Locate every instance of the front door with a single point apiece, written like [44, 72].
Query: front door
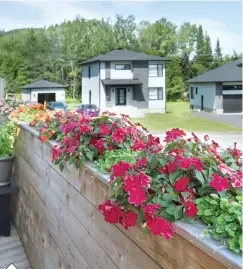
[121, 96]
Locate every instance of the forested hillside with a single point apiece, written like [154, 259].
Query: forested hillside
[55, 53]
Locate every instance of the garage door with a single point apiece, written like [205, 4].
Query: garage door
[232, 103]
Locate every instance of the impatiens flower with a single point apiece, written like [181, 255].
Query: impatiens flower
[150, 208]
[111, 212]
[143, 179]
[118, 135]
[159, 226]
[225, 169]
[219, 183]
[196, 162]
[129, 219]
[196, 139]
[191, 209]
[206, 138]
[104, 130]
[100, 146]
[120, 169]
[185, 163]
[84, 128]
[142, 162]
[236, 152]
[190, 196]
[56, 151]
[43, 138]
[181, 184]
[165, 170]
[236, 181]
[173, 134]
[137, 196]
[44, 130]
[139, 145]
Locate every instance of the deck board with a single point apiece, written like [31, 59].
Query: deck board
[12, 252]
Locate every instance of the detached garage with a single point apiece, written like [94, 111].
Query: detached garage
[43, 90]
[219, 90]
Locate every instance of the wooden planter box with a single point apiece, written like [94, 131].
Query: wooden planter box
[56, 216]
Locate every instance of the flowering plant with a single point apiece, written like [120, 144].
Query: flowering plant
[164, 180]
[26, 113]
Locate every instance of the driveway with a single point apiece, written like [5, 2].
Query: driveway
[231, 119]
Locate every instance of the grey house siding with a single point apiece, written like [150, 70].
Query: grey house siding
[140, 71]
[107, 70]
[219, 97]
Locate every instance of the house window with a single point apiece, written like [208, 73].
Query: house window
[108, 95]
[155, 70]
[123, 67]
[196, 90]
[90, 96]
[89, 71]
[133, 94]
[155, 93]
[232, 87]
[192, 92]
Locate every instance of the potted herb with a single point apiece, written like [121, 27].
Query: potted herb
[7, 140]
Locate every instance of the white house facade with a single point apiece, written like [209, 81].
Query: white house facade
[123, 81]
[43, 90]
[219, 90]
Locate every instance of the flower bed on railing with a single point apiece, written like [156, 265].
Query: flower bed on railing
[153, 183]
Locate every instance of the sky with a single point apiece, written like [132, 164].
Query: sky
[222, 19]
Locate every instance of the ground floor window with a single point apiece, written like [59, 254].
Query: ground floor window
[192, 92]
[108, 95]
[156, 93]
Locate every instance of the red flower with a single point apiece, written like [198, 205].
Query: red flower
[165, 170]
[206, 138]
[143, 179]
[191, 209]
[137, 196]
[56, 151]
[118, 135]
[150, 208]
[139, 145]
[173, 134]
[219, 183]
[111, 212]
[120, 169]
[129, 219]
[172, 166]
[100, 146]
[185, 163]
[142, 162]
[196, 162]
[84, 128]
[236, 182]
[196, 139]
[189, 197]
[181, 184]
[159, 226]
[225, 169]
[104, 130]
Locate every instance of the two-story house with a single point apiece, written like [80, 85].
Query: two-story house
[124, 81]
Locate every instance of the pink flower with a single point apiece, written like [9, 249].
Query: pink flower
[236, 152]
[173, 134]
[185, 163]
[137, 196]
[139, 145]
[129, 219]
[219, 183]
[206, 138]
[120, 169]
[181, 184]
[191, 209]
[100, 146]
[225, 169]
[196, 139]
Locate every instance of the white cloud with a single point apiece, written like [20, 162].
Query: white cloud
[229, 39]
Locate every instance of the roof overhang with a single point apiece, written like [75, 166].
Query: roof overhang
[121, 82]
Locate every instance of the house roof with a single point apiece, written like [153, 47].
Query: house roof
[124, 55]
[43, 84]
[230, 72]
[121, 81]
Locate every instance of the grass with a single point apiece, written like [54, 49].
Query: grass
[72, 103]
[179, 116]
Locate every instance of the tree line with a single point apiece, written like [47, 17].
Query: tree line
[55, 53]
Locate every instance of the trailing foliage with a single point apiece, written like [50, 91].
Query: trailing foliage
[7, 139]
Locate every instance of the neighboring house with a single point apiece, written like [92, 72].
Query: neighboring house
[219, 90]
[124, 81]
[43, 90]
[2, 88]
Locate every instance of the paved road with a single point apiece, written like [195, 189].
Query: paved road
[224, 140]
[231, 119]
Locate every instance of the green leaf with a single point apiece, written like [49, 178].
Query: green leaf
[90, 155]
[97, 130]
[61, 166]
[167, 197]
[200, 177]
[169, 189]
[185, 195]
[162, 162]
[178, 212]
[208, 212]
[174, 176]
[170, 210]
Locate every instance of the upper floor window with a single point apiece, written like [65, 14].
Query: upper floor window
[155, 93]
[155, 70]
[192, 92]
[89, 71]
[123, 67]
[232, 87]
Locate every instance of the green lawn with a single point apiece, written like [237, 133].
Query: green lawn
[179, 116]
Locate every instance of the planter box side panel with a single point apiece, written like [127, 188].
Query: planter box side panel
[62, 208]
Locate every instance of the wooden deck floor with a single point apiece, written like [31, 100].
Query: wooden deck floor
[12, 252]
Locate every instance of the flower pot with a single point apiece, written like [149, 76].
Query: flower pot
[6, 165]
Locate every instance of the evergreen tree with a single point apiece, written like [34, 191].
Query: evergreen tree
[208, 54]
[200, 45]
[218, 57]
